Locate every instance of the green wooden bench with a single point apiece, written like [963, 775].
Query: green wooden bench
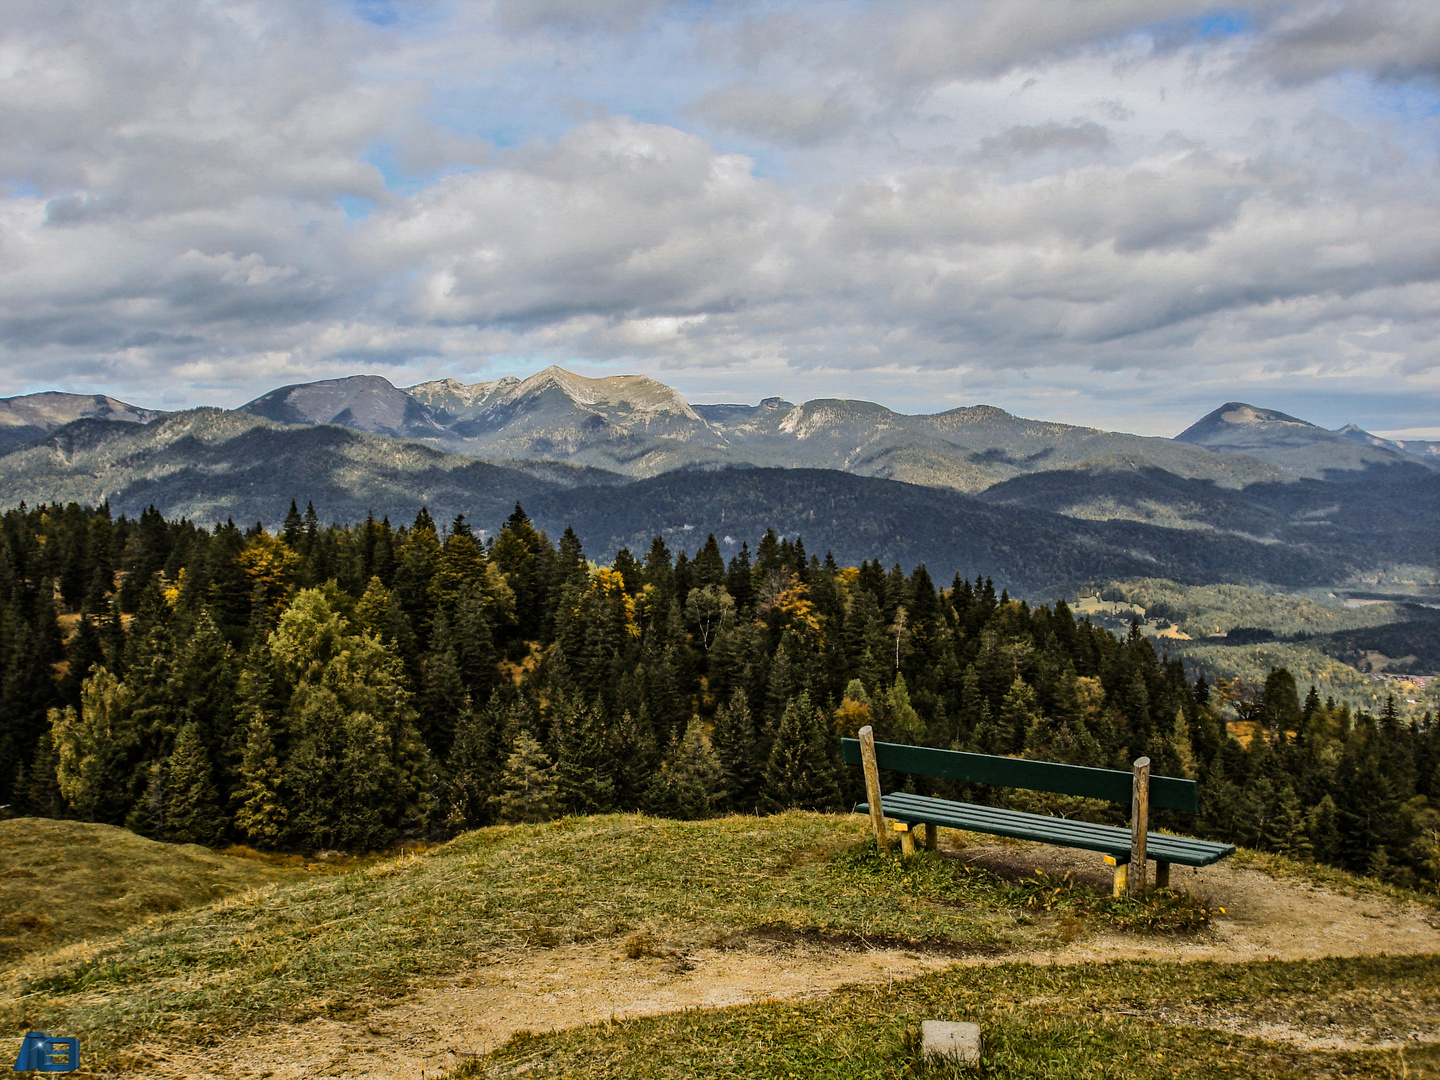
[1121, 847]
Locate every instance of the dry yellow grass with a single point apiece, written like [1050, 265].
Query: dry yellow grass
[67, 880]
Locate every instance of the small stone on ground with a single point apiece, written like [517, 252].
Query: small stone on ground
[952, 1040]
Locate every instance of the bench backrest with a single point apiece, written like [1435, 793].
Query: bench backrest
[1111, 784]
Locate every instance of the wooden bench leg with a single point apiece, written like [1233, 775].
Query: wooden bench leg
[1121, 883]
[1162, 874]
[931, 835]
[907, 838]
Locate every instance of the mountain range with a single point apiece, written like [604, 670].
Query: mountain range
[1244, 494]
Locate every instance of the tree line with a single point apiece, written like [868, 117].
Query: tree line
[350, 686]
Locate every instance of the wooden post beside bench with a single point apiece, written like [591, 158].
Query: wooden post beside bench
[1122, 848]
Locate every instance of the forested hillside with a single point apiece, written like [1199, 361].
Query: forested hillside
[323, 687]
[210, 465]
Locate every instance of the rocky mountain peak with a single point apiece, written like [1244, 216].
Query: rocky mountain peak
[639, 393]
[363, 402]
[32, 416]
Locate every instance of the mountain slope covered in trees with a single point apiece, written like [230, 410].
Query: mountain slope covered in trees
[211, 466]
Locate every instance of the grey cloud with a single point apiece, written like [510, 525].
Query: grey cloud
[781, 116]
[182, 106]
[982, 38]
[1390, 39]
[615, 217]
[1027, 140]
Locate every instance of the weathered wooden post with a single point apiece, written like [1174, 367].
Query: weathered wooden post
[931, 836]
[907, 838]
[872, 788]
[1139, 823]
[1120, 884]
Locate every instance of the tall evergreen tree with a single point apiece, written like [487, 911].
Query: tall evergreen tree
[192, 803]
[800, 773]
[528, 790]
[737, 754]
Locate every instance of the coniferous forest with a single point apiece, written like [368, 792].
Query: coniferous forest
[348, 687]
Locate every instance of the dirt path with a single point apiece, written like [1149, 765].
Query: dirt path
[446, 1024]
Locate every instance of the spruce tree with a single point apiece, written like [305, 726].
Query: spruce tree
[474, 643]
[736, 751]
[1288, 832]
[690, 782]
[192, 804]
[579, 739]
[472, 770]
[799, 773]
[528, 791]
[86, 649]
[1322, 831]
[442, 694]
[262, 814]
[635, 755]
[37, 790]
[1019, 713]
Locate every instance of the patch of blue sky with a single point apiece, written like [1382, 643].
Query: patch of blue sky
[381, 154]
[1408, 112]
[504, 119]
[355, 207]
[23, 189]
[1224, 23]
[378, 12]
[1214, 25]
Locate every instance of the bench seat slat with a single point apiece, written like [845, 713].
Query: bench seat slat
[1085, 830]
[1108, 839]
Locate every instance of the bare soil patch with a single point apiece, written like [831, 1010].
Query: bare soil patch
[1265, 918]
[447, 1022]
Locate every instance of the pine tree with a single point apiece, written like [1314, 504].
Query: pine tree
[799, 773]
[442, 691]
[690, 782]
[579, 740]
[473, 767]
[527, 788]
[735, 750]
[354, 766]
[262, 813]
[192, 805]
[97, 750]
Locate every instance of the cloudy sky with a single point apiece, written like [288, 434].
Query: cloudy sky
[1114, 212]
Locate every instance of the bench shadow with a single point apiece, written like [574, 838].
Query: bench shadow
[1015, 864]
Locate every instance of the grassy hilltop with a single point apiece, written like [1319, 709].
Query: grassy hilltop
[353, 959]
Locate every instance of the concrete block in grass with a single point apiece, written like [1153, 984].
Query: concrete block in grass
[950, 1040]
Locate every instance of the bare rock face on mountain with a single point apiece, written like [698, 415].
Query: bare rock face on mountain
[1303, 448]
[363, 402]
[23, 419]
[626, 422]
[1426, 450]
